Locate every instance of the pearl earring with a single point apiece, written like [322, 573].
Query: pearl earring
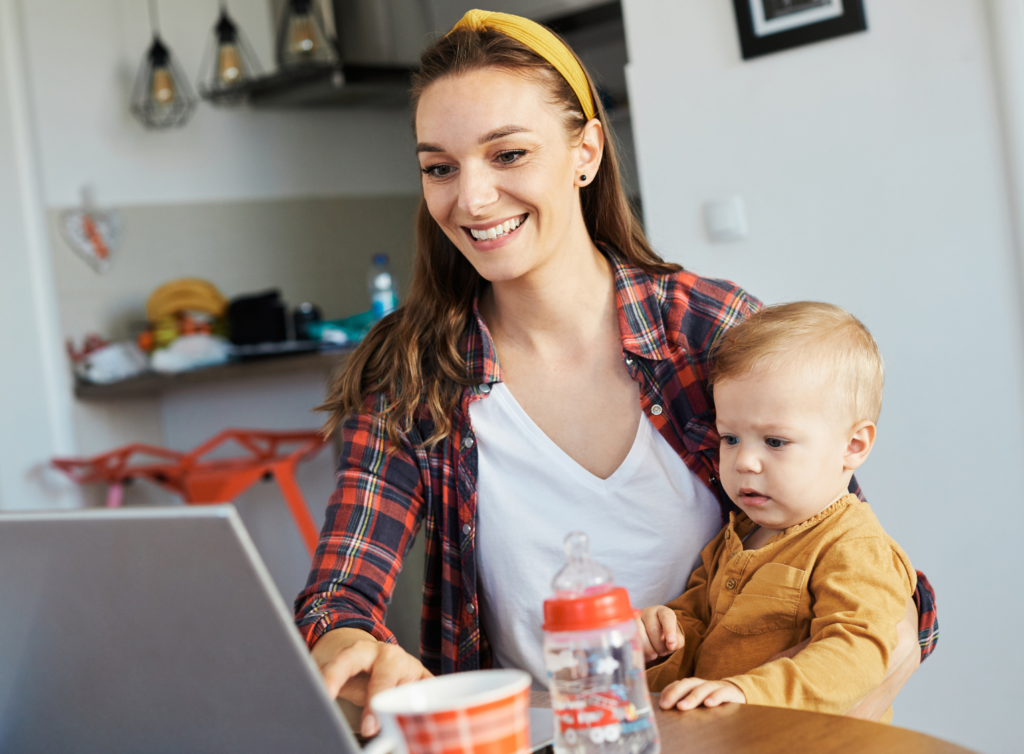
[583, 179]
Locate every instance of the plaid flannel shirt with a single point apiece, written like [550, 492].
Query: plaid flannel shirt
[668, 324]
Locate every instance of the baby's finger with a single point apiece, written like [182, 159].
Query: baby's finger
[652, 643]
[722, 695]
[677, 690]
[645, 641]
[697, 696]
[669, 629]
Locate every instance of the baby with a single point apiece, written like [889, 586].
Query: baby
[798, 390]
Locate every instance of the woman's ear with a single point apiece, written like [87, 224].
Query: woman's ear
[858, 447]
[589, 152]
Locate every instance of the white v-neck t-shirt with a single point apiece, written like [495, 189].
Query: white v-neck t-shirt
[647, 522]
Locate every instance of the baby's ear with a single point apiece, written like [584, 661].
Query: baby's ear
[858, 447]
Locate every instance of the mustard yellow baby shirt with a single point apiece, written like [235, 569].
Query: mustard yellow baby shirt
[837, 579]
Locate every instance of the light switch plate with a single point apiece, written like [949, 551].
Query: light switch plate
[725, 220]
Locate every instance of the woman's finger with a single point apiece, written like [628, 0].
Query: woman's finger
[394, 667]
[353, 660]
[677, 690]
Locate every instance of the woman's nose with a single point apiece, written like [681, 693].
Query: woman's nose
[477, 190]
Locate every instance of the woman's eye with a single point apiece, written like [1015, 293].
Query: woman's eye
[507, 158]
[730, 440]
[775, 442]
[438, 171]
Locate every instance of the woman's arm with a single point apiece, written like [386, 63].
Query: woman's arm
[370, 525]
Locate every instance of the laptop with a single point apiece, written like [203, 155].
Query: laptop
[156, 630]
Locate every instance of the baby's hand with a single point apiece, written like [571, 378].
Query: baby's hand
[695, 691]
[661, 634]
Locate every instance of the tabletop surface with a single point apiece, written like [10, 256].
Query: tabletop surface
[737, 728]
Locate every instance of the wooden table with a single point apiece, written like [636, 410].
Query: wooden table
[743, 728]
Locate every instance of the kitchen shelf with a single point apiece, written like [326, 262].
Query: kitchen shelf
[323, 86]
[152, 384]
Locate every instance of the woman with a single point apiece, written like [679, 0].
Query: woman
[547, 373]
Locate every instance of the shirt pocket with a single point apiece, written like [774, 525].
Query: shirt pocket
[768, 602]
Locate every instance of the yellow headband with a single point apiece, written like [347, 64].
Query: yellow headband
[541, 41]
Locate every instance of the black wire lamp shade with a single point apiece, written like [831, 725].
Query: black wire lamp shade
[162, 96]
[229, 60]
[302, 40]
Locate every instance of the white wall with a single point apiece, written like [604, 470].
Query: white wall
[34, 421]
[83, 57]
[873, 175]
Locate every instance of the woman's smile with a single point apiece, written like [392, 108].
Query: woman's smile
[493, 235]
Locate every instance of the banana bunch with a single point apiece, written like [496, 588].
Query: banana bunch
[188, 306]
[185, 294]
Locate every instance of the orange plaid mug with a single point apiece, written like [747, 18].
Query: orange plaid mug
[478, 712]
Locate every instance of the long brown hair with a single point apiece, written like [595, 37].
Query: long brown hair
[415, 354]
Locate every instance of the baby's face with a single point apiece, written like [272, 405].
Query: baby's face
[784, 448]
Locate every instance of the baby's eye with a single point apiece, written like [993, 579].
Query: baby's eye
[775, 442]
[438, 171]
[730, 440]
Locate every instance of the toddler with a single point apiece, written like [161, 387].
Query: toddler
[798, 390]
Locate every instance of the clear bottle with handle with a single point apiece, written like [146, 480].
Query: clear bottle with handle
[380, 281]
[595, 661]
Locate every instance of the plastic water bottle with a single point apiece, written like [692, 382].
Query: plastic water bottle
[595, 661]
[383, 298]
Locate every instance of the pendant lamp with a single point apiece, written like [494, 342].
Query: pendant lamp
[162, 96]
[301, 37]
[229, 60]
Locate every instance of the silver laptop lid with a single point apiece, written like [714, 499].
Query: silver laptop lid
[155, 630]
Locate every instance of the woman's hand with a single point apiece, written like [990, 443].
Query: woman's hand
[660, 634]
[693, 692]
[355, 666]
[903, 661]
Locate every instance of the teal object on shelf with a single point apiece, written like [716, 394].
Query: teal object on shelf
[342, 331]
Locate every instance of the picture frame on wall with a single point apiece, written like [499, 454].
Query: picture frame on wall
[767, 26]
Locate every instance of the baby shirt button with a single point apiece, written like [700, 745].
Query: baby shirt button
[468, 443]
[730, 584]
[656, 409]
[485, 388]
[470, 608]
[466, 529]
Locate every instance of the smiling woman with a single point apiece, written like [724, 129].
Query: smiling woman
[548, 372]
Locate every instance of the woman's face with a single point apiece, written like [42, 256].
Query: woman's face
[500, 175]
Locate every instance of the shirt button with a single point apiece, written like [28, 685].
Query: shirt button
[470, 608]
[730, 584]
[468, 443]
[656, 409]
[629, 361]
[466, 529]
[485, 388]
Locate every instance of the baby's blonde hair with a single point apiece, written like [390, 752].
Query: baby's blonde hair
[807, 332]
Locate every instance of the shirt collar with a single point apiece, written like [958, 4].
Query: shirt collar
[641, 328]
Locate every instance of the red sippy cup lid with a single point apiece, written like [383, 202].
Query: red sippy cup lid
[605, 606]
[585, 596]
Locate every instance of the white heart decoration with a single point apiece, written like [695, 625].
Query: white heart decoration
[92, 234]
